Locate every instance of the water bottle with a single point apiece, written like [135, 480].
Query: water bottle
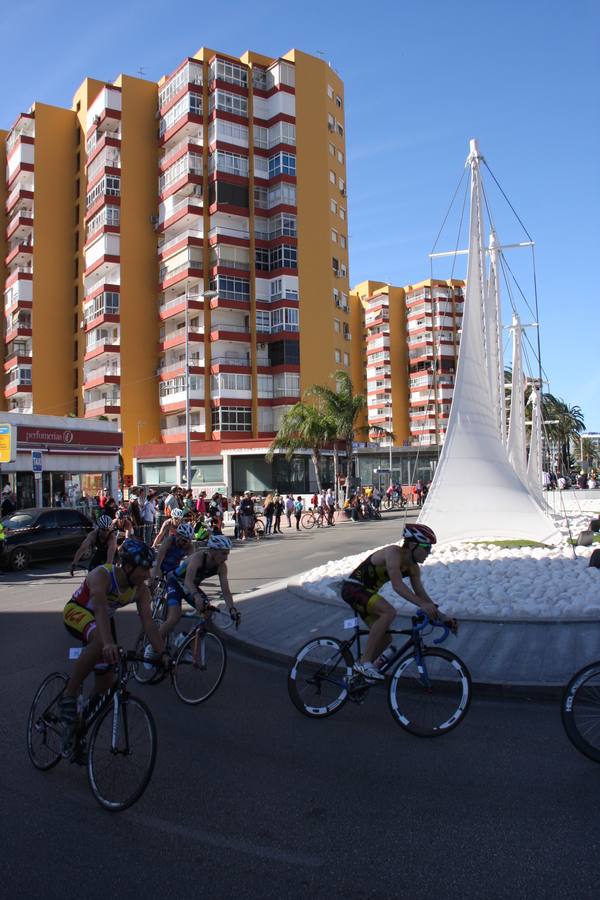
[385, 657]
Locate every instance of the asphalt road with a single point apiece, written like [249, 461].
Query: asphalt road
[250, 799]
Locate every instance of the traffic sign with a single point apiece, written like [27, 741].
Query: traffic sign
[37, 461]
[8, 443]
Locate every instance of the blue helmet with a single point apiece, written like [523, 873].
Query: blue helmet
[136, 553]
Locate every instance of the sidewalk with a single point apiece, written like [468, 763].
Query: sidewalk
[514, 658]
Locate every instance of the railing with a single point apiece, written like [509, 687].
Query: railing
[170, 211]
[111, 341]
[229, 232]
[101, 372]
[180, 332]
[180, 429]
[242, 265]
[184, 166]
[166, 273]
[191, 73]
[229, 326]
[284, 327]
[230, 361]
[189, 233]
[102, 404]
[198, 141]
[24, 270]
[95, 285]
[173, 367]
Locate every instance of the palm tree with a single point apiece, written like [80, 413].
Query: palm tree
[341, 408]
[589, 453]
[303, 425]
[566, 422]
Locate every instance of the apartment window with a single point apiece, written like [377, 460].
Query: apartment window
[261, 197]
[344, 301]
[334, 235]
[338, 356]
[341, 185]
[230, 381]
[346, 331]
[332, 176]
[337, 325]
[282, 164]
[227, 102]
[330, 92]
[263, 321]
[282, 225]
[330, 122]
[286, 384]
[232, 418]
[346, 359]
[331, 149]
[340, 129]
[224, 70]
[262, 260]
[284, 352]
[109, 186]
[342, 213]
[282, 133]
[191, 73]
[285, 319]
[284, 257]
[340, 157]
[191, 103]
[282, 194]
[336, 297]
[333, 206]
[231, 288]
[335, 264]
[342, 241]
[260, 79]
[338, 101]
[222, 130]
[261, 137]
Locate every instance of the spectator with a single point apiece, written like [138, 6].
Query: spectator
[246, 515]
[268, 510]
[110, 507]
[102, 500]
[9, 501]
[235, 515]
[188, 501]
[172, 501]
[314, 501]
[592, 483]
[215, 513]
[134, 514]
[149, 516]
[201, 504]
[289, 509]
[298, 510]
[561, 482]
[419, 487]
[330, 506]
[278, 508]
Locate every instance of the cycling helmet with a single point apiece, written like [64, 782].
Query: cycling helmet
[105, 522]
[185, 531]
[120, 514]
[419, 533]
[177, 514]
[136, 553]
[218, 542]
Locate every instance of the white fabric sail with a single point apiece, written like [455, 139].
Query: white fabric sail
[516, 442]
[476, 494]
[493, 331]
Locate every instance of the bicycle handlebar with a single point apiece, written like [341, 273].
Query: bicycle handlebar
[421, 621]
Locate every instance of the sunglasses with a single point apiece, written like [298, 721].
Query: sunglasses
[425, 546]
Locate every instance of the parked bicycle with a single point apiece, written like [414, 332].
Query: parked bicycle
[429, 690]
[580, 711]
[115, 737]
[199, 655]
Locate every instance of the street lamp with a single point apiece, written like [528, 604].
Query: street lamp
[206, 295]
[388, 406]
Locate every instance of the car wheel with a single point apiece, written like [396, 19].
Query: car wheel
[19, 559]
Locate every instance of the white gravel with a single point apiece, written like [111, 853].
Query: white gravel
[486, 581]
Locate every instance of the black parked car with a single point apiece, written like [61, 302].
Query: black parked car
[42, 533]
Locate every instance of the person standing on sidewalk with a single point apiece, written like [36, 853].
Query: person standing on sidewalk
[269, 509]
[289, 509]
[149, 517]
[278, 508]
[298, 510]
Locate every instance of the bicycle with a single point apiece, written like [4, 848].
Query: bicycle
[580, 711]
[394, 501]
[199, 655]
[429, 691]
[115, 737]
[314, 517]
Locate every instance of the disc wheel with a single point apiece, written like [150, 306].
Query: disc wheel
[318, 676]
[199, 667]
[122, 753]
[430, 697]
[44, 731]
[580, 709]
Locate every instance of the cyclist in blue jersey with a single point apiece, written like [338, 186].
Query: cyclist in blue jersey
[173, 549]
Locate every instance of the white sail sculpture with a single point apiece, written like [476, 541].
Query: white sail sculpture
[493, 337]
[516, 444]
[534, 463]
[476, 494]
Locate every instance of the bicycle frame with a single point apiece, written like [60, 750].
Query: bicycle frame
[117, 692]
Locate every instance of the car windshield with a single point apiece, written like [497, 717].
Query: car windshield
[19, 520]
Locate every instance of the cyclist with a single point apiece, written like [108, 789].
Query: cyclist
[184, 584]
[168, 527]
[173, 549]
[88, 616]
[101, 542]
[123, 526]
[393, 563]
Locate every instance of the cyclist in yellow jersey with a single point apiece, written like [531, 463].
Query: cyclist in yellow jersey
[393, 563]
[88, 616]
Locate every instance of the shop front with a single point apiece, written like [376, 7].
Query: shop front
[78, 458]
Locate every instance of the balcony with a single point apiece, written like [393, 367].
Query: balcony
[20, 226]
[18, 326]
[175, 337]
[23, 127]
[175, 367]
[229, 331]
[191, 237]
[18, 353]
[177, 433]
[18, 382]
[19, 255]
[23, 405]
[110, 405]
[105, 112]
[191, 268]
[188, 74]
[183, 120]
[19, 198]
[236, 362]
[222, 231]
[102, 340]
[101, 375]
[184, 213]
[182, 175]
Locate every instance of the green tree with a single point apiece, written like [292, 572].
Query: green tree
[564, 424]
[303, 426]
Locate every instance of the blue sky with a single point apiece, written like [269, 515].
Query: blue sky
[420, 79]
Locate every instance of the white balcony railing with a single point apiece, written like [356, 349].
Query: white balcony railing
[222, 230]
[183, 236]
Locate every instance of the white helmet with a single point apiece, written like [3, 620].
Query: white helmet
[185, 531]
[177, 514]
[218, 542]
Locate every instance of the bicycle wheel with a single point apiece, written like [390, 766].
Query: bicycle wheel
[308, 521]
[430, 697]
[318, 676]
[580, 711]
[199, 667]
[121, 753]
[145, 672]
[44, 731]
[387, 503]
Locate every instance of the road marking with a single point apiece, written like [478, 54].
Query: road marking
[228, 843]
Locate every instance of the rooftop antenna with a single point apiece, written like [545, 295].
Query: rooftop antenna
[141, 71]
